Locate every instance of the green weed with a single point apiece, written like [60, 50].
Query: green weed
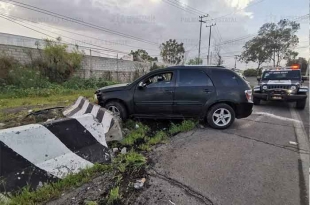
[135, 135]
[144, 147]
[185, 126]
[131, 161]
[158, 138]
[114, 196]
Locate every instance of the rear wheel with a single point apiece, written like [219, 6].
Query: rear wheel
[118, 109]
[220, 116]
[301, 104]
[256, 101]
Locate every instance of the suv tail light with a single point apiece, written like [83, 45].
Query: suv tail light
[248, 95]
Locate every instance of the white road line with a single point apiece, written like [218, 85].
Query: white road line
[303, 144]
[277, 116]
[249, 123]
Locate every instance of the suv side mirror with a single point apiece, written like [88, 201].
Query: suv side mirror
[141, 84]
[304, 78]
[258, 78]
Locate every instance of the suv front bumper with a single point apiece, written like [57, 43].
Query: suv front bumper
[281, 97]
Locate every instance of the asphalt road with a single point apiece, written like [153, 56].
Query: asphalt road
[252, 162]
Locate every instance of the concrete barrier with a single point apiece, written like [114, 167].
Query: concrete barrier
[111, 124]
[42, 153]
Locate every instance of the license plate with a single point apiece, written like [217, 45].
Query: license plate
[277, 98]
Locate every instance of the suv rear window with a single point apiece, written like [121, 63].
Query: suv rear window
[193, 78]
[225, 78]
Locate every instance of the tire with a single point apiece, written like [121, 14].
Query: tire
[113, 106]
[301, 104]
[256, 101]
[220, 109]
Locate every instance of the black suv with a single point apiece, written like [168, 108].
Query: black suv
[206, 92]
[283, 85]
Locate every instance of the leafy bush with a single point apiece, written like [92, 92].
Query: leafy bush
[250, 73]
[27, 78]
[59, 65]
[91, 83]
[7, 63]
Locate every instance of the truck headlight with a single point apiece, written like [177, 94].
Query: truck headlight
[293, 87]
[265, 87]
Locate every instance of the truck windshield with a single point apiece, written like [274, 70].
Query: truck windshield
[282, 75]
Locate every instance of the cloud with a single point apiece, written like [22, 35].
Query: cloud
[153, 20]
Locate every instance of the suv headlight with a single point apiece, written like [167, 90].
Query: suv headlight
[265, 87]
[293, 87]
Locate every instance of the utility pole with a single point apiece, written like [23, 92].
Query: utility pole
[91, 64]
[201, 21]
[208, 59]
[236, 61]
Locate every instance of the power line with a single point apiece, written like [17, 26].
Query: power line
[74, 32]
[103, 48]
[44, 11]
[180, 7]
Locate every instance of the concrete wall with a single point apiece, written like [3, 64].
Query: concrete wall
[92, 66]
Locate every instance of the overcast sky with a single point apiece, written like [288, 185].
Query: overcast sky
[156, 21]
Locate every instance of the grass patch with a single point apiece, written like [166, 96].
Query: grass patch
[138, 134]
[53, 190]
[158, 138]
[114, 196]
[63, 99]
[131, 161]
[185, 126]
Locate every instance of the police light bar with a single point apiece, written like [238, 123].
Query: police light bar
[295, 67]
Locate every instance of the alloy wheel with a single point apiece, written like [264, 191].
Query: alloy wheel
[114, 110]
[221, 117]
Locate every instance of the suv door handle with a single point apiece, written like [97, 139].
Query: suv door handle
[168, 91]
[206, 91]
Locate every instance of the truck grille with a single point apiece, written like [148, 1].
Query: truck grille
[279, 86]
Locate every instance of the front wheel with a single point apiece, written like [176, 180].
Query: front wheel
[220, 116]
[301, 104]
[118, 109]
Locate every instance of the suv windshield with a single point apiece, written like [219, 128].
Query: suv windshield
[282, 75]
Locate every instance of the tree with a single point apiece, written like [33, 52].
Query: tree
[274, 42]
[290, 55]
[302, 63]
[195, 61]
[141, 55]
[256, 50]
[172, 52]
[282, 37]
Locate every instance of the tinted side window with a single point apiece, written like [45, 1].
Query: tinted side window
[226, 78]
[193, 78]
[160, 80]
